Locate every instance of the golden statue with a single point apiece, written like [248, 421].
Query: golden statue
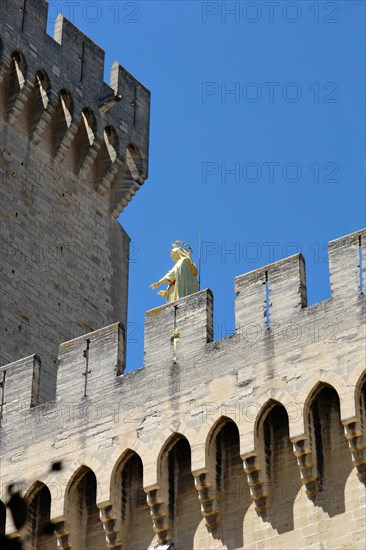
[182, 278]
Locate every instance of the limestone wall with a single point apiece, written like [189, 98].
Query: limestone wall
[253, 441]
[73, 152]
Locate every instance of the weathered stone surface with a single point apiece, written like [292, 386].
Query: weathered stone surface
[253, 441]
[208, 384]
[64, 258]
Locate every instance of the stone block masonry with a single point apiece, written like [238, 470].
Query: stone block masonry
[256, 440]
[73, 152]
[253, 441]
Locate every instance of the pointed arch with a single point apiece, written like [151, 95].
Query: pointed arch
[84, 139]
[177, 479]
[263, 412]
[118, 467]
[62, 119]
[279, 463]
[129, 501]
[39, 527]
[168, 445]
[15, 79]
[230, 484]
[329, 445]
[212, 434]
[332, 379]
[210, 449]
[293, 409]
[107, 155]
[81, 511]
[38, 100]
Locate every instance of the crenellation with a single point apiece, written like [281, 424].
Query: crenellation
[136, 99]
[287, 285]
[53, 127]
[26, 383]
[287, 291]
[187, 327]
[250, 303]
[79, 360]
[344, 265]
[74, 62]
[85, 59]
[254, 440]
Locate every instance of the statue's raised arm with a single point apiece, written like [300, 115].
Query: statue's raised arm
[182, 278]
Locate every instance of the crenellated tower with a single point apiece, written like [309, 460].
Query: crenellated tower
[74, 151]
[256, 440]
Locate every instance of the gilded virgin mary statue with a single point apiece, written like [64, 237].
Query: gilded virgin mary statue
[182, 278]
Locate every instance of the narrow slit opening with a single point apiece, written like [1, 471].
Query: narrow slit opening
[2, 396]
[268, 303]
[360, 263]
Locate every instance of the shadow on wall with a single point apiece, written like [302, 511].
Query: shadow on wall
[184, 507]
[233, 492]
[82, 512]
[331, 448]
[281, 469]
[38, 517]
[129, 498]
[238, 523]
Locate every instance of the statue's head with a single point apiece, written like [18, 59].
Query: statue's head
[180, 250]
[175, 254]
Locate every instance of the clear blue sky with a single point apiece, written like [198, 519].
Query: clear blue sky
[292, 132]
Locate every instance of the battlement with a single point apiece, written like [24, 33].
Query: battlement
[181, 333]
[291, 374]
[254, 440]
[53, 91]
[73, 153]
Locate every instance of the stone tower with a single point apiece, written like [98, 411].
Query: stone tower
[253, 441]
[74, 151]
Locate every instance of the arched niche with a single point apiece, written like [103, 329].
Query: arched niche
[81, 511]
[84, 139]
[38, 100]
[39, 528]
[106, 157]
[279, 464]
[231, 486]
[14, 80]
[330, 447]
[61, 120]
[129, 501]
[183, 505]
